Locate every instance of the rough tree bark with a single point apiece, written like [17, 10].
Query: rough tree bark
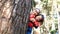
[14, 16]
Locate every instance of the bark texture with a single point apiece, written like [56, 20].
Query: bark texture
[14, 16]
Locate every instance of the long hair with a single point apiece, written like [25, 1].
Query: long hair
[42, 19]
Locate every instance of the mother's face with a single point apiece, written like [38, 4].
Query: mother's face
[34, 11]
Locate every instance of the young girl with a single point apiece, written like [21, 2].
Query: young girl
[39, 21]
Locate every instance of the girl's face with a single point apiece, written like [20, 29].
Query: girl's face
[38, 17]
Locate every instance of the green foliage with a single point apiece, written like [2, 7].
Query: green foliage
[58, 2]
[42, 0]
[53, 32]
[33, 3]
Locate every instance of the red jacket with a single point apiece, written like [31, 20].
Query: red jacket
[36, 23]
[31, 16]
[32, 24]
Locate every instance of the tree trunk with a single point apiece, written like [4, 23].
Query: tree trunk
[14, 16]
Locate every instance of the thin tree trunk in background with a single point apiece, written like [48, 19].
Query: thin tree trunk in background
[14, 16]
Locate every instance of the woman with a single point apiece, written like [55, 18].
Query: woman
[32, 20]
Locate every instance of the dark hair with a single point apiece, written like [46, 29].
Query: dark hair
[42, 19]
